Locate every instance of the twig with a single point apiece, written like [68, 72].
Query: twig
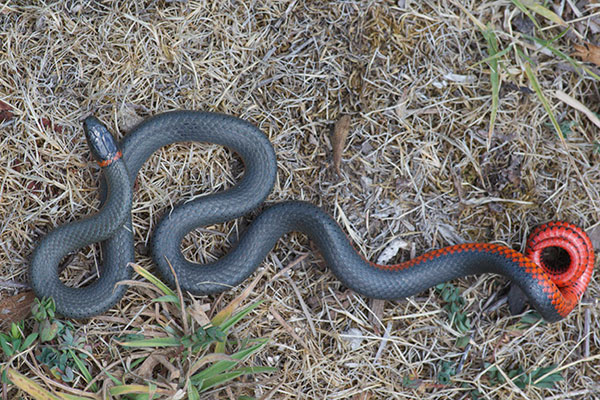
[586, 332]
[14, 285]
[287, 327]
[302, 305]
[384, 341]
[488, 304]
[290, 266]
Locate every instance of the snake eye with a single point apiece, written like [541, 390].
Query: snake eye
[100, 141]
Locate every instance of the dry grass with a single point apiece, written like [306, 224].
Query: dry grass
[416, 167]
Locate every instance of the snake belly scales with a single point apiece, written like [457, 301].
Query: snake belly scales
[552, 291]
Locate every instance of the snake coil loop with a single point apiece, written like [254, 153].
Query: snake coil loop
[566, 284]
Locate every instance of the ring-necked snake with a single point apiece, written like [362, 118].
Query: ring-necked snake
[553, 292]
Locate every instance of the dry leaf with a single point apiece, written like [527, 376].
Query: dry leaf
[129, 118]
[362, 396]
[588, 53]
[391, 250]
[147, 367]
[594, 235]
[46, 123]
[29, 386]
[231, 307]
[198, 312]
[16, 308]
[340, 134]
[210, 358]
[5, 112]
[578, 106]
[375, 318]
[401, 107]
[513, 174]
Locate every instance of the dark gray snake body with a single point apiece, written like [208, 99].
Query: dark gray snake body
[113, 226]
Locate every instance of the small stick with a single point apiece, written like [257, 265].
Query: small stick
[288, 328]
[14, 285]
[290, 266]
[384, 341]
[303, 305]
[586, 333]
[489, 304]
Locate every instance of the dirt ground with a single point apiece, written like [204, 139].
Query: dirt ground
[420, 169]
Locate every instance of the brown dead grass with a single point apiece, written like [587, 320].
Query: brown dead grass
[416, 166]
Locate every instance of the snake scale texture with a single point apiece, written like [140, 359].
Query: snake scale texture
[553, 291]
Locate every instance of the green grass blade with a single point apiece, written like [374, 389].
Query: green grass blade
[544, 100]
[83, 369]
[590, 72]
[154, 280]
[227, 376]
[29, 386]
[112, 377]
[492, 42]
[138, 391]
[65, 396]
[228, 323]
[154, 342]
[167, 298]
[222, 366]
[548, 44]
[560, 35]
[574, 63]
[524, 56]
[496, 56]
[544, 12]
[192, 392]
[525, 11]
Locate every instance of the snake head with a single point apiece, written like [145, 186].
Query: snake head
[100, 141]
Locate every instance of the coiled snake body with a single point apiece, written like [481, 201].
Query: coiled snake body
[554, 293]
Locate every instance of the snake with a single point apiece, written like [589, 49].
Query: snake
[553, 290]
